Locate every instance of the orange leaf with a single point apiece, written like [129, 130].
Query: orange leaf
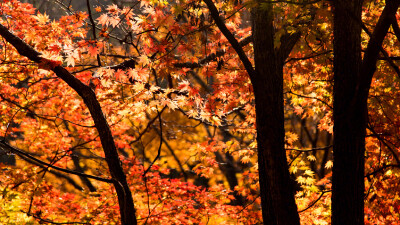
[93, 51]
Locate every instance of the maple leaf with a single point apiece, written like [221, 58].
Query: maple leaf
[301, 180]
[329, 164]
[184, 85]
[298, 110]
[132, 73]
[42, 18]
[56, 48]
[311, 158]
[120, 74]
[104, 19]
[309, 173]
[245, 159]
[70, 60]
[113, 8]
[93, 51]
[113, 21]
[143, 60]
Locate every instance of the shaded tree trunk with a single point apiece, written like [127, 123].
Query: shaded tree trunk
[276, 186]
[349, 116]
[353, 78]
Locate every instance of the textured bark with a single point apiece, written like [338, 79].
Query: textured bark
[349, 117]
[127, 209]
[276, 187]
[352, 78]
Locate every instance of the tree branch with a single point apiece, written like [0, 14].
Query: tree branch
[124, 65]
[93, 28]
[211, 57]
[384, 143]
[381, 169]
[308, 57]
[55, 173]
[25, 155]
[310, 150]
[287, 43]
[312, 204]
[232, 40]
[396, 28]
[306, 2]
[375, 45]
[125, 200]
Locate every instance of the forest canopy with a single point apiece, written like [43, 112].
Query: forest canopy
[199, 112]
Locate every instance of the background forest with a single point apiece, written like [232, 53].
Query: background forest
[199, 112]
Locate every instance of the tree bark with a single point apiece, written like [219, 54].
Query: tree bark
[349, 116]
[276, 186]
[352, 77]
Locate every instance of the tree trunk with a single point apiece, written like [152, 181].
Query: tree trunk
[350, 116]
[276, 187]
[352, 83]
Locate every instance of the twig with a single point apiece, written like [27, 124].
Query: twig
[159, 146]
[312, 204]
[310, 150]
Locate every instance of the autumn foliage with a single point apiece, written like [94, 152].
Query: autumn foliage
[181, 109]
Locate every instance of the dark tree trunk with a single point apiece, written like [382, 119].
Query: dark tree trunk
[276, 186]
[350, 116]
[352, 78]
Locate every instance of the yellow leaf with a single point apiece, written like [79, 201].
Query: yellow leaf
[311, 158]
[245, 159]
[329, 164]
[309, 173]
[42, 18]
[143, 60]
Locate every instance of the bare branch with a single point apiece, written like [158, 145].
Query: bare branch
[396, 28]
[301, 2]
[287, 43]
[93, 28]
[43, 220]
[381, 169]
[310, 150]
[55, 173]
[375, 45]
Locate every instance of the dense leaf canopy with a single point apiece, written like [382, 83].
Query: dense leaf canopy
[152, 97]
